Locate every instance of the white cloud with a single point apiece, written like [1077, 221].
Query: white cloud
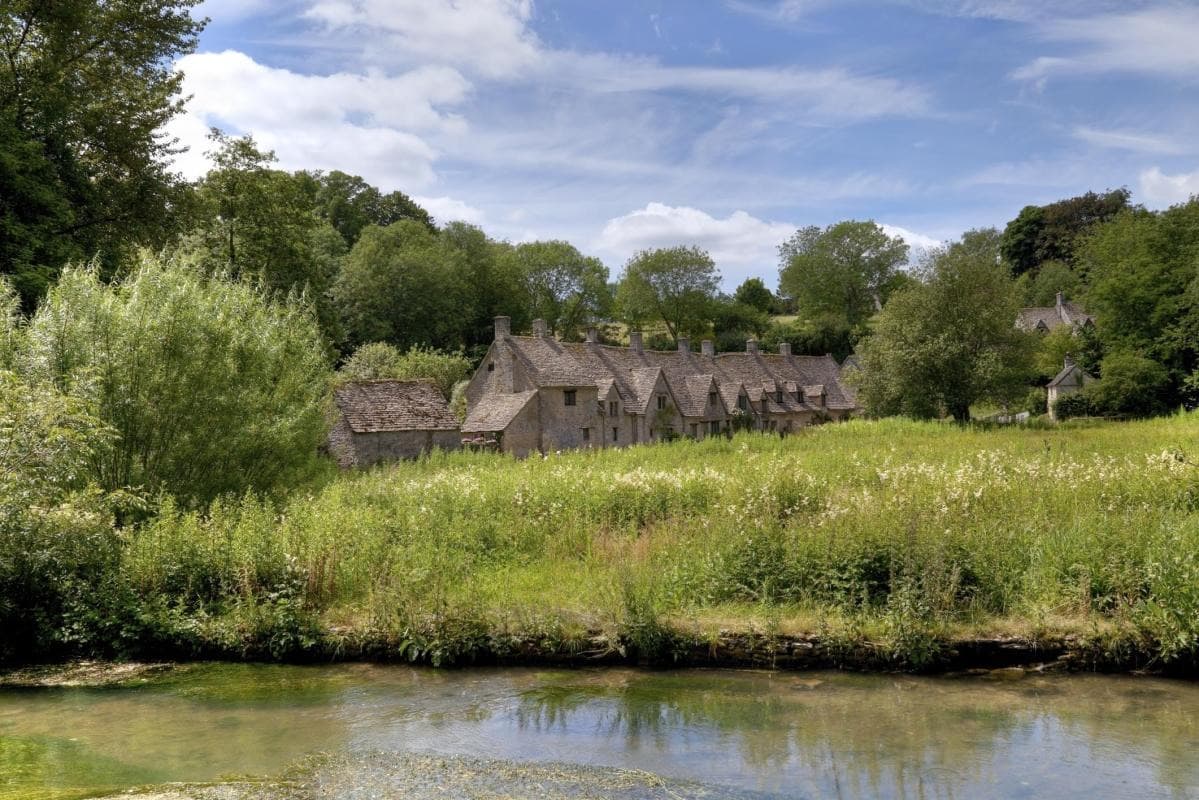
[447, 209]
[740, 244]
[1160, 190]
[1155, 41]
[918, 243]
[1129, 140]
[490, 37]
[367, 124]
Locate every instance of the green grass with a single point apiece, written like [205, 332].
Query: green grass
[900, 532]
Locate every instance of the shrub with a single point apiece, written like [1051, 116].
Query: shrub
[212, 386]
[1131, 385]
[381, 360]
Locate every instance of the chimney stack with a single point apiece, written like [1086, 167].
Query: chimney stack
[708, 348]
[592, 336]
[785, 349]
[684, 345]
[751, 346]
[539, 329]
[635, 341]
[1069, 362]
[503, 327]
[1059, 301]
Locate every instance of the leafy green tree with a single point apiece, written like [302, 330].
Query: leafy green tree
[379, 360]
[849, 268]
[1130, 384]
[349, 204]
[256, 222]
[826, 334]
[1051, 232]
[1053, 348]
[403, 285]
[949, 341]
[212, 386]
[494, 284]
[85, 89]
[753, 292]
[733, 317]
[676, 286]
[1040, 287]
[560, 285]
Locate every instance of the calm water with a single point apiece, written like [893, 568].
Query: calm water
[786, 735]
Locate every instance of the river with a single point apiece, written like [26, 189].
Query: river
[755, 734]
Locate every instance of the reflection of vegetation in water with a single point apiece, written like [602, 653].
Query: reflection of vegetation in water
[255, 684]
[51, 768]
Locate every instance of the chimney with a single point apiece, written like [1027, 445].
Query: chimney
[503, 327]
[592, 336]
[1059, 301]
[785, 349]
[635, 341]
[708, 348]
[684, 345]
[539, 329]
[1069, 362]
[751, 346]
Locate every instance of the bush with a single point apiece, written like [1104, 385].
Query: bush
[1034, 402]
[212, 386]
[380, 360]
[1131, 385]
[1078, 404]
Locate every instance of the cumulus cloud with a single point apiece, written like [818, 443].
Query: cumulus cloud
[368, 124]
[918, 244]
[1160, 190]
[448, 209]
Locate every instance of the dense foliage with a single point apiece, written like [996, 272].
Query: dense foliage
[672, 286]
[211, 386]
[379, 360]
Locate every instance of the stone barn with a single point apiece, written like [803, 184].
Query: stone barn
[388, 420]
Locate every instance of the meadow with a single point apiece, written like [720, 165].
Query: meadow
[898, 533]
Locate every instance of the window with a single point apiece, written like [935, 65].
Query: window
[661, 402]
[569, 394]
[613, 408]
[712, 398]
[742, 403]
[694, 430]
[778, 396]
[616, 434]
[587, 434]
[491, 366]
[714, 427]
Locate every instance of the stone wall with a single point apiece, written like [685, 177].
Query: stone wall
[372, 448]
[523, 435]
[562, 425]
[341, 443]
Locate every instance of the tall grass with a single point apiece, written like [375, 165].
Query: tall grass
[900, 530]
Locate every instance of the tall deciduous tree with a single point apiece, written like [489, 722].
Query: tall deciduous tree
[1051, 232]
[85, 89]
[349, 204]
[211, 386]
[676, 286]
[561, 285]
[848, 269]
[950, 340]
[753, 292]
[403, 285]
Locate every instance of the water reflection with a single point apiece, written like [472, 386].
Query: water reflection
[815, 735]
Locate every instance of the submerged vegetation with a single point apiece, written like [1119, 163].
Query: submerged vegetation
[892, 536]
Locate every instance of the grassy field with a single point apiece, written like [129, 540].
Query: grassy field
[901, 533]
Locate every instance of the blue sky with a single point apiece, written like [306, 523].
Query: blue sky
[621, 125]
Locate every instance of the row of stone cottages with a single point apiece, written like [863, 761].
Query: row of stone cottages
[537, 394]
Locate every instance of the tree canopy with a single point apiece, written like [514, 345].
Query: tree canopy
[949, 341]
[85, 90]
[676, 286]
[561, 285]
[1050, 232]
[848, 269]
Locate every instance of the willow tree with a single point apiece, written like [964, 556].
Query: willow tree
[211, 385]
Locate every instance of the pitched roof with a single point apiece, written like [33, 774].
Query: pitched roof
[644, 379]
[390, 405]
[495, 412]
[1050, 317]
[1067, 371]
[548, 362]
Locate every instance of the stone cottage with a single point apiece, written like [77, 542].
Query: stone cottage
[1045, 319]
[387, 420]
[536, 394]
[1071, 379]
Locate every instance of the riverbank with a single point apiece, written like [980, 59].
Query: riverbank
[886, 545]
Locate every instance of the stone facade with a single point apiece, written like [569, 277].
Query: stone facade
[381, 421]
[1071, 379]
[536, 393]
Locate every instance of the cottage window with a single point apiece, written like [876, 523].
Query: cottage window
[491, 366]
[661, 402]
[616, 434]
[712, 398]
[778, 396]
[569, 394]
[613, 408]
[586, 434]
[694, 430]
[714, 427]
[743, 403]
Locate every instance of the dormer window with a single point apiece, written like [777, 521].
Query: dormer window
[778, 396]
[712, 398]
[613, 408]
[743, 403]
[661, 402]
[491, 366]
[570, 396]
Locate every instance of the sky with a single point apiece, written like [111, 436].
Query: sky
[621, 125]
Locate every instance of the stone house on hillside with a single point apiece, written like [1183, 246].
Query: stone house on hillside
[536, 394]
[388, 420]
[1071, 379]
[1045, 319]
